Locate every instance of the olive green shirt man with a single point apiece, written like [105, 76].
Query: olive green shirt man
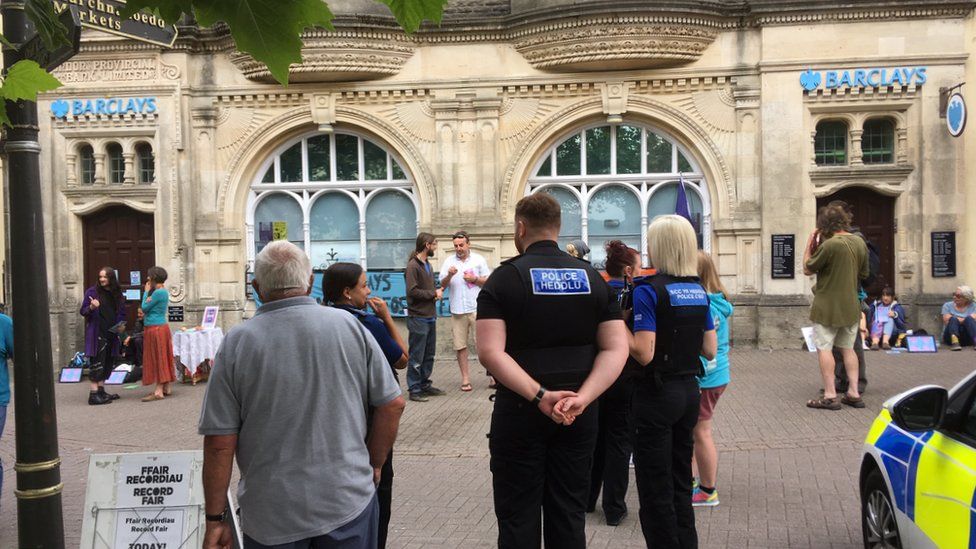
[840, 263]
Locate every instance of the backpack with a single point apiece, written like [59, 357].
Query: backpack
[874, 265]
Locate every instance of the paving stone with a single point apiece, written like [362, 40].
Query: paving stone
[787, 478]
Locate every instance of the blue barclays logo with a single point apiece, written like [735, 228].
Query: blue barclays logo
[956, 115]
[107, 106]
[811, 80]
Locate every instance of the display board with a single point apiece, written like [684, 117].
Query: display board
[943, 254]
[784, 256]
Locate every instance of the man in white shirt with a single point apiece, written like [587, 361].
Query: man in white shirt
[463, 273]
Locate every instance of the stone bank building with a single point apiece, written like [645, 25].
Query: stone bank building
[193, 157]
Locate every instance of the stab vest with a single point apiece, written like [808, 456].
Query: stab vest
[681, 314]
[555, 286]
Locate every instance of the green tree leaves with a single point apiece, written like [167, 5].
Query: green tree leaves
[23, 81]
[49, 27]
[411, 13]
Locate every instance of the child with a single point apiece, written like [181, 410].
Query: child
[887, 319]
[157, 358]
[712, 385]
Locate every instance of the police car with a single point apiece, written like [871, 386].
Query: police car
[918, 471]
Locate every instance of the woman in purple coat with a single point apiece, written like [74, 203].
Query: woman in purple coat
[103, 308]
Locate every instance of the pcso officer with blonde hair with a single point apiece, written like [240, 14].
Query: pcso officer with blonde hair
[550, 332]
[672, 325]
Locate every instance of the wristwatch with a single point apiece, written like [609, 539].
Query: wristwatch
[539, 395]
[217, 518]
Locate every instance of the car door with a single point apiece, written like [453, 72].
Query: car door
[942, 501]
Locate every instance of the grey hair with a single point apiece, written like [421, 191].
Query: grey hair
[281, 266]
[967, 293]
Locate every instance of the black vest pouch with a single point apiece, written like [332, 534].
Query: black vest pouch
[557, 368]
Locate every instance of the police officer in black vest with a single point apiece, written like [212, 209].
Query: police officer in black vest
[672, 326]
[551, 334]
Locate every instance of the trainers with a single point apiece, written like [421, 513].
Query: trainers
[955, 344]
[418, 397]
[699, 498]
[432, 391]
[694, 484]
[97, 399]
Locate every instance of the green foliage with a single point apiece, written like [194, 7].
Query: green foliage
[411, 13]
[23, 81]
[270, 30]
[49, 27]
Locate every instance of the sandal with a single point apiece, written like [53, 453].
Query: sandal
[466, 387]
[824, 403]
[853, 402]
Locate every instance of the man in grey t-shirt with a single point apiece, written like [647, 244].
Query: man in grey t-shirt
[289, 393]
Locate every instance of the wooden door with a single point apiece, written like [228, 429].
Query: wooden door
[124, 239]
[874, 215]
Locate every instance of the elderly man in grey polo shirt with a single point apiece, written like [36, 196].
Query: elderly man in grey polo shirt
[290, 393]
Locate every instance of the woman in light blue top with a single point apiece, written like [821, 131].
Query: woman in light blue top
[157, 341]
[959, 318]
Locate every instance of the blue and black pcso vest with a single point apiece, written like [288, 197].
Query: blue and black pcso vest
[557, 287]
[682, 311]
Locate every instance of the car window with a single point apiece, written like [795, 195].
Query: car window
[969, 422]
[961, 414]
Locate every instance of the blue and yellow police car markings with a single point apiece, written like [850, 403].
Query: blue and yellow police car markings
[945, 488]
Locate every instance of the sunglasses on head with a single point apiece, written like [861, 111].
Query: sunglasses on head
[460, 235]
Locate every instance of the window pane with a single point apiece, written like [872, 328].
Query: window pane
[628, 149]
[613, 213]
[318, 158]
[347, 157]
[683, 165]
[658, 154]
[334, 227]
[375, 160]
[87, 165]
[271, 212]
[598, 150]
[116, 164]
[291, 164]
[397, 170]
[391, 227]
[572, 220]
[830, 144]
[665, 198]
[568, 157]
[545, 170]
[146, 162]
[878, 142]
[268, 175]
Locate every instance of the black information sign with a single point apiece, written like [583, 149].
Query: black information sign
[176, 313]
[943, 254]
[784, 255]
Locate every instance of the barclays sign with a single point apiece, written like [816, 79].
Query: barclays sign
[863, 78]
[61, 108]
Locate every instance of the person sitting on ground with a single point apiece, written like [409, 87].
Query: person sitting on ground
[887, 320]
[959, 318]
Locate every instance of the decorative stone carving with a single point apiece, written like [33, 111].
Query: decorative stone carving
[613, 44]
[338, 57]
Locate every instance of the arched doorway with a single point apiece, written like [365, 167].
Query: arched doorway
[124, 239]
[874, 216]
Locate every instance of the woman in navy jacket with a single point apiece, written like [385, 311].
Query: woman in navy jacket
[103, 308]
[886, 320]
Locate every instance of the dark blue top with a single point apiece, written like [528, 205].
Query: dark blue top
[645, 308]
[391, 350]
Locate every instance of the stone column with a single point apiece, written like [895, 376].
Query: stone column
[901, 146]
[99, 168]
[129, 175]
[857, 154]
[71, 165]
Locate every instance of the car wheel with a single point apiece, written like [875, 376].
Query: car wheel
[878, 523]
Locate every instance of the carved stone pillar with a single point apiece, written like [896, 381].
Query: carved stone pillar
[901, 146]
[71, 165]
[813, 149]
[857, 154]
[99, 168]
[129, 175]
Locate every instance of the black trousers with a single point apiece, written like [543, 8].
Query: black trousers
[384, 494]
[840, 374]
[611, 460]
[664, 417]
[540, 474]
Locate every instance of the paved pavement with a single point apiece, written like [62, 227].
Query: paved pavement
[788, 475]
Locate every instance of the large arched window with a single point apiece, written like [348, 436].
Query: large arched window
[116, 164]
[830, 144]
[878, 141]
[352, 201]
[612, 180]
[86, 164]
[145, 163]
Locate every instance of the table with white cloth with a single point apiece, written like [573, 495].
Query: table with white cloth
[194, 351]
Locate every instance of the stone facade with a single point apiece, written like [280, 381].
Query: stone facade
[470, 109]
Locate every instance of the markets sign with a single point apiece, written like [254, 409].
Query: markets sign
[956, 115]
[104, 15]
[61, 108]
[863, 78]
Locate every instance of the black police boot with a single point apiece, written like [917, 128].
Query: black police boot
[111, 396]
[96, 398]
